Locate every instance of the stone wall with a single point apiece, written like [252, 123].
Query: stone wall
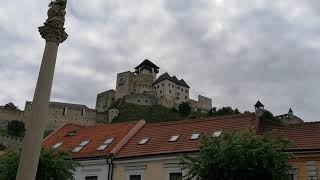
[105, 100]
[171, 94]
[203, 103]
[141, 99]
[10, 142]
[60, 113]
[9, 115]
[125, 84]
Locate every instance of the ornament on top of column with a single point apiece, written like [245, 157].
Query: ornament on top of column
[53, 29]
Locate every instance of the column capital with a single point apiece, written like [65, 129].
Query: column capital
[53, 29]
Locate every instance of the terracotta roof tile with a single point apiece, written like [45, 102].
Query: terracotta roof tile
[96, 134]
[160, 133]
[305, 136]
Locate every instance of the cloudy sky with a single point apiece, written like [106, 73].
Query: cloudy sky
[235, 52]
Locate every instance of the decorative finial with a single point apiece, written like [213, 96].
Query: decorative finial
[53, 29]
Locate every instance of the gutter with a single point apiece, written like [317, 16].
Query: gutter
[110, 166]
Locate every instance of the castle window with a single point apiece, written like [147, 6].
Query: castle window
[177, 98]
[82, 112]
[146, 101]
[64, 111]
[160, 96]
[186, 97]
[162, 84]
[170, 91]
[172, 85]
[158, 87]
[160, 92]
[178, 94]
[169, 84]
[138, 100]
[178, 87]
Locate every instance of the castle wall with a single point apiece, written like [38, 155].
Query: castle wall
[125, 84]
[203, 103]
[171, 94]
[105, 100]
[9, 115]
[60, 115]
[141, 99]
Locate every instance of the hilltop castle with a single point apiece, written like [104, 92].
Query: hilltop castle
[143, 87]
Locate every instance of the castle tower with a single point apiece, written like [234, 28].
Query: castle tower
[290, 113]
[259, 108]
[147, 68]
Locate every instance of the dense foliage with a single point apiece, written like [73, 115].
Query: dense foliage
[16, 128]
[222, 111]
[52, 165]
[184, 109]
[154, 113]
[10, 106]
[239, 156]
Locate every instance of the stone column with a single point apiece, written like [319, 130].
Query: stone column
[54, 34]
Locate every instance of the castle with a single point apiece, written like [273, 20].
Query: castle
[143, 87]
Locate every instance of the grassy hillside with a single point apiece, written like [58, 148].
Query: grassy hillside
[155, 113]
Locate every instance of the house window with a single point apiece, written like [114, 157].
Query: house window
[312, 170]
[91, 177]
[174, 138]
[135, 177]
[175, 176]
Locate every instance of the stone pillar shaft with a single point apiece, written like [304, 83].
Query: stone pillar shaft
[39, 115]
[54, 34]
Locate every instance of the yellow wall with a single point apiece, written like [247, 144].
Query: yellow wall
[151, 169]
[301, 164]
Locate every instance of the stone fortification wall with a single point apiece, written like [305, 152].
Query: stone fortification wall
[105, 100]
[60, 113]
[144, 99]
[9, 115]
[10, 142]
[203, 103]
[125, 84]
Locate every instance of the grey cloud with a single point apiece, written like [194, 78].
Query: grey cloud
[233, 51]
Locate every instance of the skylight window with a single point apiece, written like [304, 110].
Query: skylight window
[81, 145]
[144, 141]
[217, 133]
[195, 136]
[109, 141]
[56, 145]
[174, 138]
[105, 144]
[77, 149]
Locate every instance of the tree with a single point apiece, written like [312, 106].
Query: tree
[16, 128]
[239, 156]
[236, 111]
[184, 109]
[268, 116]
[52, 165]
[10, 106]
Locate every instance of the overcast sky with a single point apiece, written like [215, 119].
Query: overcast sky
[233, 51]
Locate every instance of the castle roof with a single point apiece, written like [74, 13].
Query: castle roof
[147, 64]
[258, 105]
[173, 79]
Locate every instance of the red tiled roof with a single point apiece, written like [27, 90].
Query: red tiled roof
[160, 133]
[96, 134]
[305, 136]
